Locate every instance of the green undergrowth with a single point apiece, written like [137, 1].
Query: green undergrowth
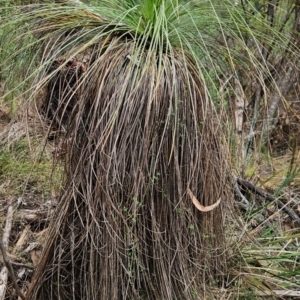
[269, 250]
[270, 262]
[26, 168]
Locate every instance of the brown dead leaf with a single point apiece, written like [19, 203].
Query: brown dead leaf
[200, 206]
[35, 257]
[22, 241]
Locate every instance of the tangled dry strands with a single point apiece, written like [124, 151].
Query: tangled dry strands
[141, 134]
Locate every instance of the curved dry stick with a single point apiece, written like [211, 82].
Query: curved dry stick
[200, 206]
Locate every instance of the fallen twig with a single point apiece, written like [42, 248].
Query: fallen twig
[262, 294]
[244, 203]
[16, 261]
[11, 271]
[8, 266]
[270, 198]
[281, 293]
[33, 215]
[4, 243]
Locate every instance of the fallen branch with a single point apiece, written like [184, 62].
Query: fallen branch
[33, 215]
[281, 293]
[4, 244]
[22, 265]
[244, 203]
[11, 271]
[270, 198]
[16, 261]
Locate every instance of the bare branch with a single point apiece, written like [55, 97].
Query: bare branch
[270, 198]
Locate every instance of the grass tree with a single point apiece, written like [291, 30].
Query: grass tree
[124, 83]
[130, 87]
[143, 142]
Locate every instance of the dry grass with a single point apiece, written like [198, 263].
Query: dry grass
[139, 133]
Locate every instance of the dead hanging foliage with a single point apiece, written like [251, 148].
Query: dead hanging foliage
[142, 135]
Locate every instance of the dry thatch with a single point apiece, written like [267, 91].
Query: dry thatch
[140, 132]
